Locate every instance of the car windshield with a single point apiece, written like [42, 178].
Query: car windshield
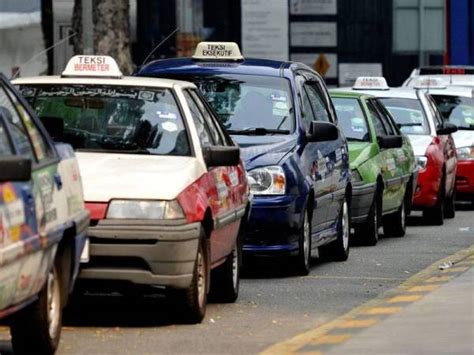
[351, 119]
[457, 110]
[248, 102]
[408, 115]
[116, 119]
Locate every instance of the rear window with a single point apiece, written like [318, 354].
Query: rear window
[408, 114]
[117, 119]
[351, 119]
[456, 110]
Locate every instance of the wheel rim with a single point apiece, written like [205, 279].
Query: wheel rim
[345, 226]
[235, 267]
[376, 222]
[53, 304]
[201, 274]
[306, 236]
[403, 216]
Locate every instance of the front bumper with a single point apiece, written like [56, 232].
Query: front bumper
[273, 226]
[362, 198]
[143, 252]
[427, 188]
[465, 180]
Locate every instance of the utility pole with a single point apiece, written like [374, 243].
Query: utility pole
[87, 27]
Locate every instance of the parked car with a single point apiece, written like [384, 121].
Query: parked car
[296, 158]
[43, 225]
[167, 191]
[417, 116]
[456, 104]
[452, 75]
[384, 173]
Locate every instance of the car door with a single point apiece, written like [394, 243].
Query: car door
[335, 150]
[221, 181]
[389, 166]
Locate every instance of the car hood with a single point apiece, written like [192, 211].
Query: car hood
[107, 176]
[463, 138]
[359, 152]
[264, 150]
[420, 143]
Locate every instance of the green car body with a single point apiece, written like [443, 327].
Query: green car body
[382, 174]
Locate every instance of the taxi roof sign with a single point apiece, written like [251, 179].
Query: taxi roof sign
[92, 66]
[229, 51]
[370, 83]
[429, 83]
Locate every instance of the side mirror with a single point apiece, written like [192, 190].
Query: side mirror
[221, 156]
[388, 142]
[446, 128]
[15, 168]
[322, 131]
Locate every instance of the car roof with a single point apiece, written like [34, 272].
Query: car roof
[124, 81]
[247, 66]
[405, 93]
[461, 91]
[448, 79]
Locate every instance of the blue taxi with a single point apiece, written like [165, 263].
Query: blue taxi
[296, 157]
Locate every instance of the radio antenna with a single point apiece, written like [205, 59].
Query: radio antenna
[159, 45]
[42, 52]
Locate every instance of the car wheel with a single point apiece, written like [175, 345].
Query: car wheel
[395, 224]
[435, 215]
[37, 327]
[339, 249]
[450, 206]
[193, 300]
[368, 232]
[225, 279]
[303, 260]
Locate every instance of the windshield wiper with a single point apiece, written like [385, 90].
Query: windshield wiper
[464, 128]
[258, 131]
[408, 124]
[354, 139]
[117, 151]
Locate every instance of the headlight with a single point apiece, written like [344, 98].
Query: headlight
[267, 181]
[421, 161]
[356, 176]
[132, 209]
[465, 153]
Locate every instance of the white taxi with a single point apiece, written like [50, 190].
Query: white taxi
[164, 182]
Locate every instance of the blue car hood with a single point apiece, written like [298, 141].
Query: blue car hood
[264, 150]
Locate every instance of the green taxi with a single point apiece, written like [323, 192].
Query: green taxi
[382, 163]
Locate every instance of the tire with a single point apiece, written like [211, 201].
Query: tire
[192, 301]
[303, 259]
[368, 232]
[435, 215]
[36, 329]
[395, 224]
[339, 249]
[225, 279]
[450, 206]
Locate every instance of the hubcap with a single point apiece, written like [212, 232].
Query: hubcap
[403, 216]
[345, 226]
[235, 267]
[306, 236]
[376, 222]
[201, 273]
[53, 304]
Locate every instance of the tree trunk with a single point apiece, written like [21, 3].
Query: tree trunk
[111, 31]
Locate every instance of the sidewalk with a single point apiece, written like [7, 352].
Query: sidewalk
[440, 323]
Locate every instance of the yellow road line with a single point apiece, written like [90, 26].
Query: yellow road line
[309, 337]
[358, 323]
[439, 278]
[329, 339]
[457, 269]
[424, 288]
[369, 278]
[382, 311]
[405, 299]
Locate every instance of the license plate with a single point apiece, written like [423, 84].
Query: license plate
[85, 255]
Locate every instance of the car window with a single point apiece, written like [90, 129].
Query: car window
[41, 147]
[456, 109]
[391, 131]
[18, 131]
[203, 129]
[112, 119]
[213, 128]
[306, 108]
[317, 102]
[408, 114]
[376, 120]
[351, 119]
[5, 146]
[438, 118]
